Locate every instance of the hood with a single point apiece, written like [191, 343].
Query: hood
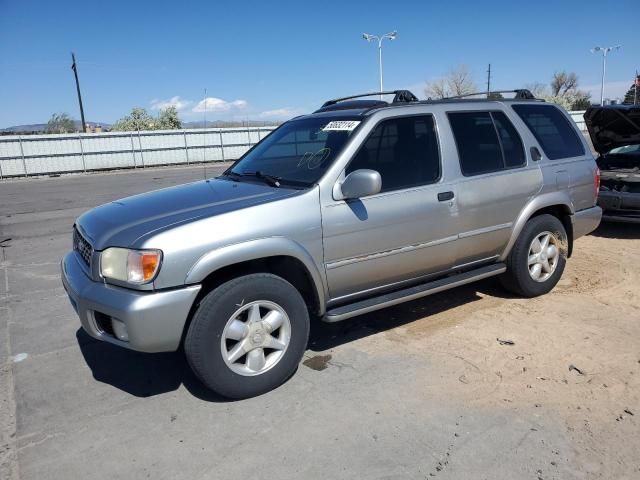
[122, 222]
[613, 126]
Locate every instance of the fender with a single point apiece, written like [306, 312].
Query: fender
[539, 202]
[255, 249]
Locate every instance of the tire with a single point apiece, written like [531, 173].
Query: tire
[214, 339]
[520, 277]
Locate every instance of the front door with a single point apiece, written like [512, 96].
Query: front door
[401, 233]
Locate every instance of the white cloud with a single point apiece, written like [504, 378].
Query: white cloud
[279, 113]
[213, 104]
[179, 103]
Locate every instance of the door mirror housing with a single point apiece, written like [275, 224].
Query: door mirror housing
[360, 183]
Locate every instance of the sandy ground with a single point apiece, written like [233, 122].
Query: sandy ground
[421, 390]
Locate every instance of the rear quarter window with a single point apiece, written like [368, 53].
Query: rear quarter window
[553, 131]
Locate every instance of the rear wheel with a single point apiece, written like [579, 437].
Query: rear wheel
[538, 257]
[248, 335]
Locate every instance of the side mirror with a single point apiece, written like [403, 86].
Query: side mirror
[360, 183]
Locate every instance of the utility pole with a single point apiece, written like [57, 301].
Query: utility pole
[74, 67]
[488, 80]
[635, 89]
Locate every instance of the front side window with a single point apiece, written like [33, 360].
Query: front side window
[552, 130]
[486, 141]
[403, 150]
[299, 152]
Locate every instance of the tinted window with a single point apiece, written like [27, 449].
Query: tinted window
[512, 148]
[403, 150]
[552, 129]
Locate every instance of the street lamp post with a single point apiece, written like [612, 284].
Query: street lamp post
[379, 38]
[604, 51]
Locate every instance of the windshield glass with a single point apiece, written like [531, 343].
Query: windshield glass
[299, 152]
[633, 149]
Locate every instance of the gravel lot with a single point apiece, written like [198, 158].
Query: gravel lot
[421, 390]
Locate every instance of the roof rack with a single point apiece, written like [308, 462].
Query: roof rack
[520, 94]
[401, 96]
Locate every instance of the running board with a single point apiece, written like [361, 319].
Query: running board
[411, 293]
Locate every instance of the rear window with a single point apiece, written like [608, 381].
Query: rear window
[552, 129]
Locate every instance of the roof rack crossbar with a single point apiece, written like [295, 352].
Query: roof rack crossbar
[401, 96]
[521, 94]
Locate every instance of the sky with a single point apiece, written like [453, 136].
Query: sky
[270, 60]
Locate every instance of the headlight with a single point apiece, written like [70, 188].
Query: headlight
[132, 266]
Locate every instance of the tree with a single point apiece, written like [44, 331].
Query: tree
[138, 119]
[494, 96]
[562, 90]
[630, 96]
[458, 81]
[61, 123]
[563, 83]
[168, 119]
[538, 89]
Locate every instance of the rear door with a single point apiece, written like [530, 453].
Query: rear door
[495, 184]
[401, 233]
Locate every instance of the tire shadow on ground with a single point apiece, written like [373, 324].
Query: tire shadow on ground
[141, 374]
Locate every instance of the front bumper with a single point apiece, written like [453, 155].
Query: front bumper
[154, 320]
[620, 206]
[585, 221]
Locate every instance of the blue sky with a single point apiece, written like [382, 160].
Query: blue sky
[271, 59]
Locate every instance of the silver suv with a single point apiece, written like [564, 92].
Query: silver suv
[360, 205]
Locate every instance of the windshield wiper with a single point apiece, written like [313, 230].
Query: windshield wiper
[270, 179]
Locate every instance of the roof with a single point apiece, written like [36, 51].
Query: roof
[354, 106]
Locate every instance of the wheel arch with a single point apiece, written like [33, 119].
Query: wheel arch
[278, 255]
[557, 204]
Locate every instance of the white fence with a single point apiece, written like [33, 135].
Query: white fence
[81, 152]
[578, 117]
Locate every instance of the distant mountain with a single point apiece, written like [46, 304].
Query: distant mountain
[42, 127]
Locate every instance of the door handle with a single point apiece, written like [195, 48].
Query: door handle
[445, 196]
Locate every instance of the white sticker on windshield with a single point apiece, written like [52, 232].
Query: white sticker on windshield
[341, 125]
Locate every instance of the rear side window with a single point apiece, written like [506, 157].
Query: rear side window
[487, 142]
[552, 129]
[403, 150]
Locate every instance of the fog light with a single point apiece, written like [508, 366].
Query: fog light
[119, 329]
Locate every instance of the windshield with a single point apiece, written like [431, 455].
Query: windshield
[299, 152]
[632, 149]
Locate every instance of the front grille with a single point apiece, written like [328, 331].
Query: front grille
[81, 246]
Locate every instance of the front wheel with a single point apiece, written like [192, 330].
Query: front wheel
[248, 335]
[538, 257]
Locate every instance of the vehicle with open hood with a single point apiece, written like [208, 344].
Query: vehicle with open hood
[615, 135]
[358, 206]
